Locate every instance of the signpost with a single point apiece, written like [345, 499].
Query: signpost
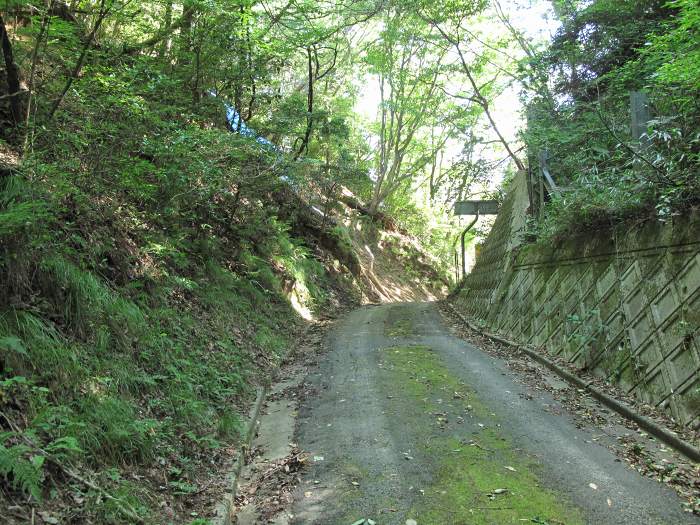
[476, 208]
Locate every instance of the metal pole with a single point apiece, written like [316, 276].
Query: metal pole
[464, 233]
[456, 265]
[456, 258]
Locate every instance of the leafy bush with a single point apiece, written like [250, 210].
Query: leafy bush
[603, 51]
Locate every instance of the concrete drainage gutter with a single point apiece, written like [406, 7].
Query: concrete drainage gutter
[225, 510]
[661, 433]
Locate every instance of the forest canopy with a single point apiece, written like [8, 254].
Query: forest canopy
[297, 71]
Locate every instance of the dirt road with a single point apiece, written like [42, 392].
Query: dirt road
[408, 422]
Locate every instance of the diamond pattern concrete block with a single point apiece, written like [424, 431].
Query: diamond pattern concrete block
[671, 333]
[587, 280]
[689, 395]
[688, 281]
[649, 354]
[665, 304]
[639, 330]
[553, 284]
[607, 280]
[683, 366]
[634, 303]
[538, 286]
[631, 277]
[610, 304]
[614, 326]
[635, 312]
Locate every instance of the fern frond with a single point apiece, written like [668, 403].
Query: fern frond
[21, 473]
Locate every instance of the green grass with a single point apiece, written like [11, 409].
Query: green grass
[466, 472]
[111, 379]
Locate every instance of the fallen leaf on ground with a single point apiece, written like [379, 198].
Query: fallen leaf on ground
[492, 495]
[48, 518]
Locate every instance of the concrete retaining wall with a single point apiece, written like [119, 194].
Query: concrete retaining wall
[623, 303]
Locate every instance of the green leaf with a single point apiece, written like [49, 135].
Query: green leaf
[38, 461]
[65, 444]
[13, 344]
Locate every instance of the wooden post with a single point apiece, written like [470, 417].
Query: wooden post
[530, 190]
[531, 173]
[641, 115]
[542, 158]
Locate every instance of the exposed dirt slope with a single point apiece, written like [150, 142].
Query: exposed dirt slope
[369, 258]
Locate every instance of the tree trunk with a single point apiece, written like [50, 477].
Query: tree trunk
[478, 97]
[164, 34]
[165, 43]
[310, 108]
[14, 89]
[196, 95]
[251, 71]
[81, 59]
[185, 40]
[377, 199]
[32, 72]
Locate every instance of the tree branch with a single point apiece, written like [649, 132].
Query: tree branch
[160, 35]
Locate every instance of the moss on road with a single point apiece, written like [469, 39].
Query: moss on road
[478, 476]
[411, 423]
